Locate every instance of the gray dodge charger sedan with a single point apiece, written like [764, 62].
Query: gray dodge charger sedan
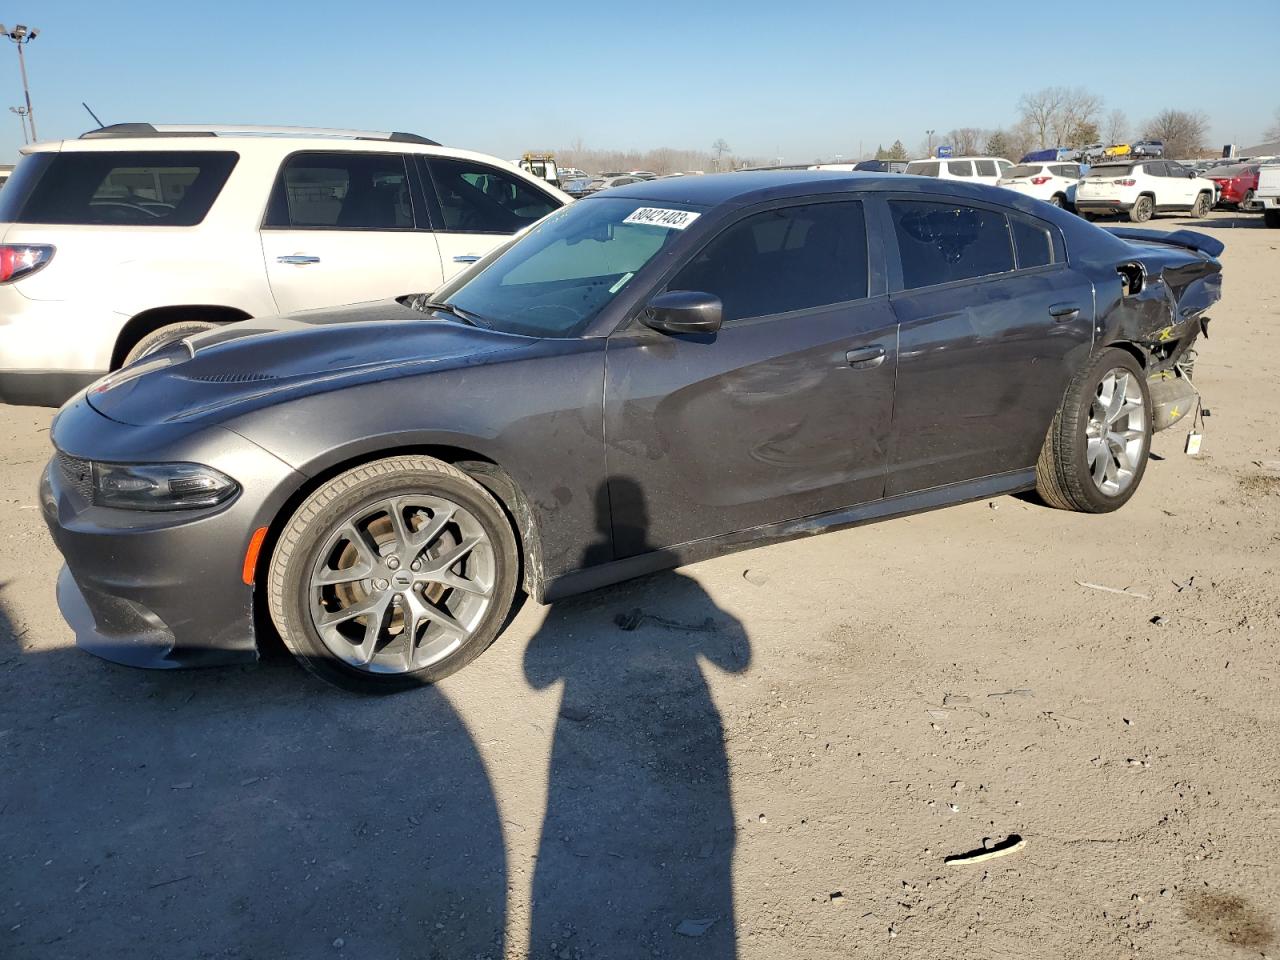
[652, 376]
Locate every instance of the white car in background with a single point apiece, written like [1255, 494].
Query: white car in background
[1267, 196]
[135, 236]
[1053, 183]
[1142, 189]
[986, 170]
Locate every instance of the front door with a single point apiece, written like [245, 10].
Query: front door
[476, 206]
[783, 413]
[341, 228]
[994, 324]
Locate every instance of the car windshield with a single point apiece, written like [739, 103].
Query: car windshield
[554, 280]
[1023, 170]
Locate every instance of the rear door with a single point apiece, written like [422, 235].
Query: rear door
[1181, 185]
[476, 206]
[994, 323]
[784, 412]
[343, 228]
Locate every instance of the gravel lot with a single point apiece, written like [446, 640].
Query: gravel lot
[773, 764]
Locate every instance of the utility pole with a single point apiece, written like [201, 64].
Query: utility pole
[930, 133]
[22, 118]
[21, 35]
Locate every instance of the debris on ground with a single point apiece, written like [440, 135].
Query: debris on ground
[1124, 592]
[954, 700]
[634, 618]
[576, 714]
[836, 899]
[695, 928]
[1158, 621]
[755, 577]
[1020, 692]
[1008, 845]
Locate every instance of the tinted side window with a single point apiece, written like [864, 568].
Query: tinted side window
[342, 191]
[923, 169]
[476, 198]
[943, 242]
[960, 168]
[789, 259]
[134, 188]
[1033, 243]
[985, 168]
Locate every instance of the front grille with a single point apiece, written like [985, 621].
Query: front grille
[78, 473]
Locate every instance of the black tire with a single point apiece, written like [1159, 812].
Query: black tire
[163, 336]
[1143, 209]
[1271, 218]
[1204, 203]
[1246, 204]
[307, 531]
[1063, 478]
[1057, 200]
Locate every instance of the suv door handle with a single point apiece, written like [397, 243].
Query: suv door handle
[1063, 312]
[864, 358]
[466, 258]
[300, 259]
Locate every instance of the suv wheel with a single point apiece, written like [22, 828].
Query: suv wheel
[162, 337]
[1056, 200]
[1142, 210]
[1247, 205]
[394, 574]
[1202, 206]
[1096, 450]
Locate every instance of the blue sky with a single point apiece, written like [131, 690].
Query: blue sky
[795, 79]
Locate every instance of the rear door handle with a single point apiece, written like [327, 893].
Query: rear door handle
[864, 358]
[466, 258]
[1063, 312]
[299, 259]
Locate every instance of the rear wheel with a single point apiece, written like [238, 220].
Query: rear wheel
[394, 574]
[1057, 200]
[1142, 210]
[1271, 218]
[1247, 205]
[163, 336]
[1202, 206]
[1095, 453]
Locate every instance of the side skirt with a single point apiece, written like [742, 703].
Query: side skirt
[591, 578]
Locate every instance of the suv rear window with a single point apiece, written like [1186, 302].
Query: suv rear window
[133, 188]
[1106, 171]
[1024, 170]
[923, 168]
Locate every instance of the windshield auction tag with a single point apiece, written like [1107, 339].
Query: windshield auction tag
[661, 217]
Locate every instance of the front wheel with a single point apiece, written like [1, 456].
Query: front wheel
[1204, 203]
[1097, 447]
[163, 336]
[394, 574]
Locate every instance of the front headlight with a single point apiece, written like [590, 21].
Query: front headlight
[160, 486]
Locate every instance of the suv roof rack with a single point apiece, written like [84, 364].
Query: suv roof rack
[126, 131]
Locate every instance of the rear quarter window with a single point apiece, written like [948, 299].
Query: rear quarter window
[923, 169]
[121, 188]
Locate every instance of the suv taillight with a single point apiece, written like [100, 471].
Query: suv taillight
[1039, 180]
[1127, 182]
[18, 260]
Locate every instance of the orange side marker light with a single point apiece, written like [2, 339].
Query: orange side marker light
[251, 555]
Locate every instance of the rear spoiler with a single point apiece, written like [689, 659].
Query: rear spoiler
[1188, 239]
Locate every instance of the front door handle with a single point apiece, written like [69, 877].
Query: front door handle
[1064, 312]
[864, 358]
[466, 258]
[299, 259]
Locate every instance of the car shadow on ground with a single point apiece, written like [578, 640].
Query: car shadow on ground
[1243, 221]
[253, 812]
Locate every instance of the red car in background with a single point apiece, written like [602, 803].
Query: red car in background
[1236, 185]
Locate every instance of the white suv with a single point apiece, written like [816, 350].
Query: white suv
[1053, 183]
[986, 170]
[136, 235]
[1142, 189]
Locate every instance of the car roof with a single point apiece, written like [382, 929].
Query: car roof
[757, 186]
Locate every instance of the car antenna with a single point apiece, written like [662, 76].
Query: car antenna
[92, 114]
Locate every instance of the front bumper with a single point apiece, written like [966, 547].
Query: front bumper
[159, 589]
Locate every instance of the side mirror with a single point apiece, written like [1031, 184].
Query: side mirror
[684, 311]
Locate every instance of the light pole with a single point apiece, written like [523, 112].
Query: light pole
[21, 35]
[930, 133]
[22, 118]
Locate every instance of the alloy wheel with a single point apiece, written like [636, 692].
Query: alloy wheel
[402, 583]
[1117, 432]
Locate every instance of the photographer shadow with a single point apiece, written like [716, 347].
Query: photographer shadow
[636, 853]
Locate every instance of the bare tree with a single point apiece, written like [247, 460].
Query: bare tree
[1117, 126]
[1182, 131]
[1076, 121]
[1038, 112]
[719, 149]
[966, 141]
[1273, 131]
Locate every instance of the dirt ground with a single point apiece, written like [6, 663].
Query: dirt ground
[773, 763]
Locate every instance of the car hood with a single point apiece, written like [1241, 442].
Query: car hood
[256, 362]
